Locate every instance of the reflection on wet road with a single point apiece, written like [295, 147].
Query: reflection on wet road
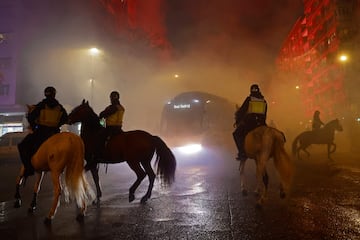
[204, 203]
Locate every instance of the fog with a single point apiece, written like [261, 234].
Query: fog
[217, 48]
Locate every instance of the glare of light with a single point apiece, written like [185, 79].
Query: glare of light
[208, 101]
[343, 58]
[94, 51]
[176, 75]
[196, 100]
[297, 87]
[190, 148]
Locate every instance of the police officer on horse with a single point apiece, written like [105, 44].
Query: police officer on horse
[113, 115]
[45, 120]
[249, 116]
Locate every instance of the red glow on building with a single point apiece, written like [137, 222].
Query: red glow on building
[141, 20]
[310, 56]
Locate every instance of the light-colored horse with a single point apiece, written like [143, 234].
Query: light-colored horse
[61, 153]
[262, 144]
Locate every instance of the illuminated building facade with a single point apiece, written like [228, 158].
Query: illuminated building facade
[11, 114]
[140, 20]
[321, 55]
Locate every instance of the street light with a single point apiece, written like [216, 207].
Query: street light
[93, 53]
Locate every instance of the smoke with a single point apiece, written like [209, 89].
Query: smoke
[220, 48]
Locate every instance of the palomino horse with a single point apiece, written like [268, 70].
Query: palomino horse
[261, 144]
[324, 135]
[62, 152]
[136, 147]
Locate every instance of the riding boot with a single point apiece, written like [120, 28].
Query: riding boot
[25, 157]
[239, 141]
[90, 165]
[241, 154]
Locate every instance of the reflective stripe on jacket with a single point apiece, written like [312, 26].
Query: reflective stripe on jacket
[257, 105]
[116, 119]
[50, 117]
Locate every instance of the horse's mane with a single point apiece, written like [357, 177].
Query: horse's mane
[331, 123]
[93, 117]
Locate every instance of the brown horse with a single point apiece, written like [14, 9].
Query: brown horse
[136, 147]
[62, 152]
[261, 144]
[324, 135]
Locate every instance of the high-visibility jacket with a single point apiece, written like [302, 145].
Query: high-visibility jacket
[257, 105]
[116, 119]
[50, 117]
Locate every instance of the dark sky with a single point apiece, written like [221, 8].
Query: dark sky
[264, 23]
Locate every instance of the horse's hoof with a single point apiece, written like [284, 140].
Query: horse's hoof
[244, 192]
[259, 206]
[282, 195]
[31, 209]
[96, 202]
[80, 218]
[257, 193]
[17, 203]
[47, 221]
[131, 197]
[143, 200]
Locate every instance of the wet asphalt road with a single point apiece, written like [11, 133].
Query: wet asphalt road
[205, 202]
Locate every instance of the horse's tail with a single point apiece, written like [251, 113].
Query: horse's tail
[295, 145]
[76, 184]
[165, 161]
[282, 162]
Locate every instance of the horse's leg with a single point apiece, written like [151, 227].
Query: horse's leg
[140, 176]
[304, 150]
[19, 182]
[39, 178]
[150, 172]
[55, 177]
[95, 175]
[331, 150]
[242, 177]
[262, 180]
[261, 184]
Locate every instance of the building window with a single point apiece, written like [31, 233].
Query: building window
[4, 89]
[5, 63]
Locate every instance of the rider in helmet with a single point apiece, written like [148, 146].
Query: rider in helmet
[249, 116]
[113, 115]
[45, 120]
[316, 122]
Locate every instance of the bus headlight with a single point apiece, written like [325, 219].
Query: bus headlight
[190, 149]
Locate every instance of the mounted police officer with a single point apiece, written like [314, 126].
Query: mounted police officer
[316, 122]
[249, 116]
[45, 120]
[113, 115]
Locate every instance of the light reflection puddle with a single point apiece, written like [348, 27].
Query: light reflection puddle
[195, 189]
[163, 219]
[3, 216]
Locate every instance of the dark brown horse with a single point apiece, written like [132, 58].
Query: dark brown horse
[136, 147]
[324, 135]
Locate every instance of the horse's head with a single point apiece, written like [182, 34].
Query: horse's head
[30, 108]
[335, 125]
[81, 113]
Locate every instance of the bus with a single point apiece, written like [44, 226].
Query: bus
[197, 119]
